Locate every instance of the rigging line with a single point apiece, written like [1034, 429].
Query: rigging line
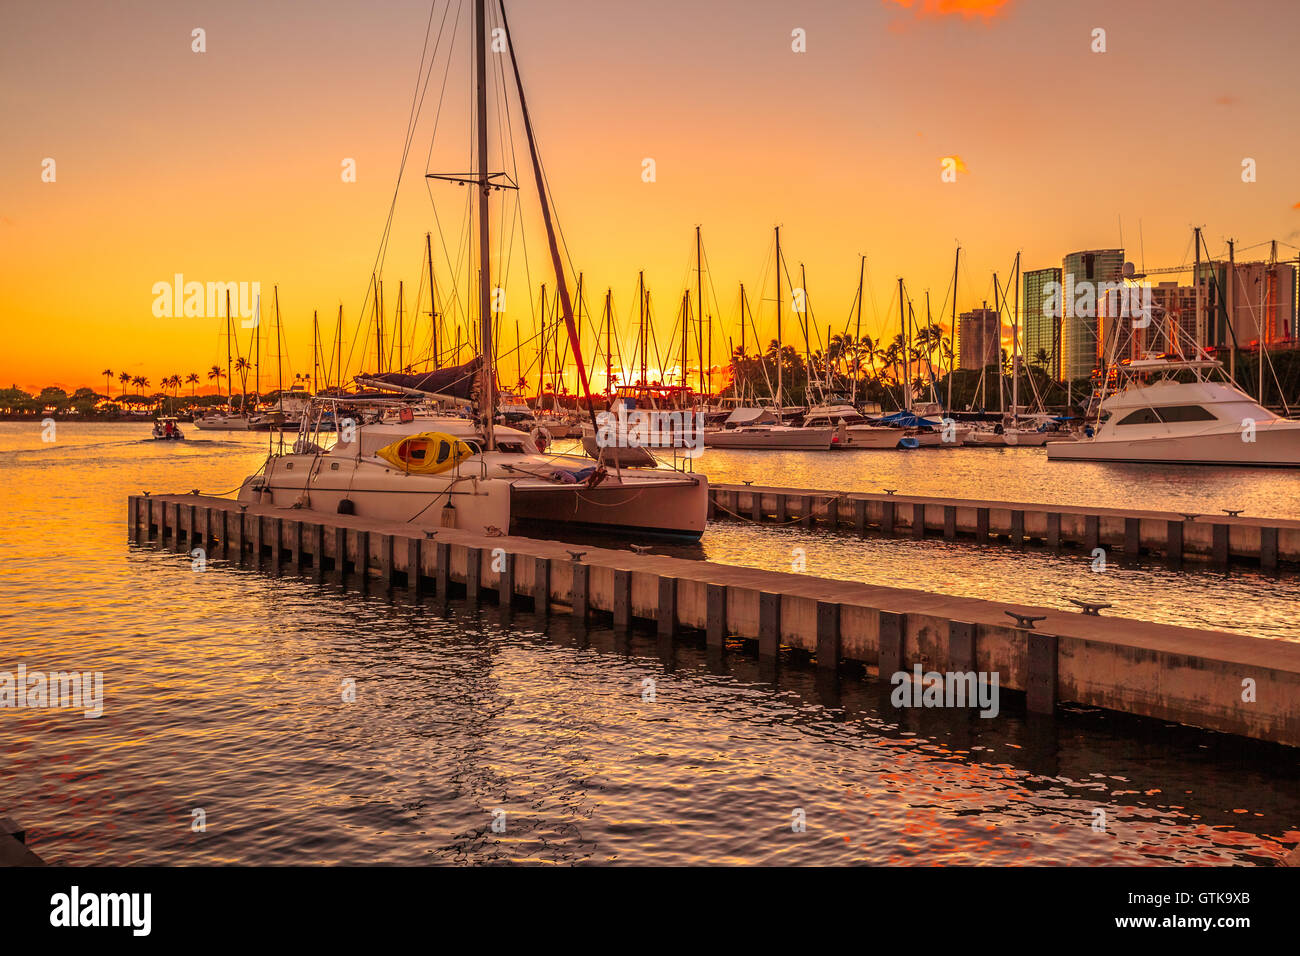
[417, 101]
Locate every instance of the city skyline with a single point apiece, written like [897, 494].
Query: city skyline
[230, 172]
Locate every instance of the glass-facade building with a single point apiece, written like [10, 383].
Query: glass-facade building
[1079, 327]
[1041, 341]
[979, 339]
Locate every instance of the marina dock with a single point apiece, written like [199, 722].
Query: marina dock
[1232, 683]
[1220, 539]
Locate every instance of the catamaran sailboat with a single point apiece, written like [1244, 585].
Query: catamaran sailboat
[447, 471]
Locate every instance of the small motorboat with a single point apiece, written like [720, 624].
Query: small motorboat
[166, 428]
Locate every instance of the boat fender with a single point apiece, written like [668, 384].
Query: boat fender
[908, 442]
[346, 507]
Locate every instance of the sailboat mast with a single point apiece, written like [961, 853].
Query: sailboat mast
[952, 332]
[338, 348]
[541, 352]
[487, 389]
[699, 304]
[779, 357]
[686, 325]
[857, 333]
[1015, 340]
[230, 382]
[315, 350]
[279, 352]
[433, 302]
[400, 297]
[609, 335]
[907, 367]
[997, 342]
[640, 294]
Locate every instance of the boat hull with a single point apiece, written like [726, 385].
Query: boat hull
[652, 502]
[775, 439]
[1273, 447]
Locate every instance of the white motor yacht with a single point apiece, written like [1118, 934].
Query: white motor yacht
[854, 431]
[1195, 423]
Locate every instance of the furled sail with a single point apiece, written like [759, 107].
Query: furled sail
[458, 382]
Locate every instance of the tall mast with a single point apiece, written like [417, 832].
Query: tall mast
[742, 318]
[779, 357]
[230, 383]
[379, 340]
[400, 296]
[686, 325]
[857, 334]
[487, 390]
[541, 352]
[609, 335]
[699, 304]
[1196, 284]
[640, 295]
[433, 302]
[907, 366]
[338, 348]
[807, 348]
[1015, 339]
[997, 341]
[1232, 298]
[315, 351]
[279, 352]
[952, 332]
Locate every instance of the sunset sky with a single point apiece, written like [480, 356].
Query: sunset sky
[225, 165]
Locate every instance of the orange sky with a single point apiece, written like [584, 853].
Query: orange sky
[225, 165]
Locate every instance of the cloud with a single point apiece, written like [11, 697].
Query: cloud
[1296, 206]
[966, 9]
[959, 164]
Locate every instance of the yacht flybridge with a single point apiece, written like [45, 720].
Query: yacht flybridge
[439, 469]
[1197, 422]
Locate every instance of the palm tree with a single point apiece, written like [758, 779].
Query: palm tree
[216, 374]
[192, 380]
[125, 379]
[108, 378]
[243, 366]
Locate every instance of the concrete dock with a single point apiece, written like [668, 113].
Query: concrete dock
[1221, 539]
[1232, 683]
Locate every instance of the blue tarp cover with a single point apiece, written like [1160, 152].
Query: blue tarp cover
[906, 420]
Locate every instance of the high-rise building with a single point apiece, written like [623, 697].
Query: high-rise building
[979, 338]
[1041, 323]
[1084, 279]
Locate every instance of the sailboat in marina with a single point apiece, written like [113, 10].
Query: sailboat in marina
[446, 470]
[765, 429]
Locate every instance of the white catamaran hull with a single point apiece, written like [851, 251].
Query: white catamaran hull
[650, 502]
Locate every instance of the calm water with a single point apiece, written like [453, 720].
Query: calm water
[223, 693]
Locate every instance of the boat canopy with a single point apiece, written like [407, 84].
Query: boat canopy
[906, 419]
[751, 416]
